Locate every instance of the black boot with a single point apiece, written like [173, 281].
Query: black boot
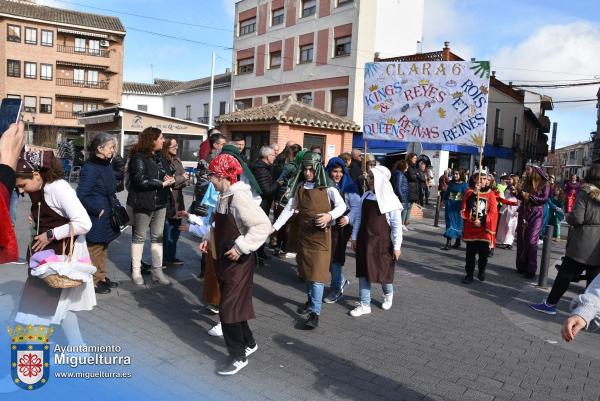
[468, 279]
[481, 275]
[312, 322]
[491, 254]
[456, 244]
[447, 246]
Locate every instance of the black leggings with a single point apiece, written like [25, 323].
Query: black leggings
[569, 270]
[238, 336]
[473, 248]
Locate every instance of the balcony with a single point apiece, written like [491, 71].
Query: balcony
[544, 124]
[66, 115]
[498, 136]
[82, 50]
[203, 120]
[82, 84]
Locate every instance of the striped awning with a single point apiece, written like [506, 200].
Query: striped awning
[82, 33]
[98, 119]
[81, 65]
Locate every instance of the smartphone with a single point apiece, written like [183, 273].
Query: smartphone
[10, 113]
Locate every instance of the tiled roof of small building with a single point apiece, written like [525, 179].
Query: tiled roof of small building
[27, 9]
[159, 87]
[201, 84]
[290, 111]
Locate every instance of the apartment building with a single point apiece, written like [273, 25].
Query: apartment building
[315, 50]
[61, 63]
[185, 100]
[572, 159]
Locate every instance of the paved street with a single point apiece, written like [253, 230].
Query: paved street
[441, 340]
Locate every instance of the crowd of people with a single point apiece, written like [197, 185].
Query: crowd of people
[245, 213]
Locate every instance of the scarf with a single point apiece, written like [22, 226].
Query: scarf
[346, 185]
[309, 159]
[226, 166]
[235, 152]
[386, 197]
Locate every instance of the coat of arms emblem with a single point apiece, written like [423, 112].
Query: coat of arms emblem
[30, 355]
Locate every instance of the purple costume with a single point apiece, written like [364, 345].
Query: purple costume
[529, 227]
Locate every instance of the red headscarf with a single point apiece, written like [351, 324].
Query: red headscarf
[226, 166]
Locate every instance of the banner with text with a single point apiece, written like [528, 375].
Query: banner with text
[437, 101]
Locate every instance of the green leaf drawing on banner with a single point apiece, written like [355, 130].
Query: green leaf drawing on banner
[481, 68]
[371, 69]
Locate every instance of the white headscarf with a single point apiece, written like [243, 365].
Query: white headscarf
[386, 198]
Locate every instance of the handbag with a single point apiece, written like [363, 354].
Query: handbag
[118, 216]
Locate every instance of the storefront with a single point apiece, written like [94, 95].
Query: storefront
[126, 124]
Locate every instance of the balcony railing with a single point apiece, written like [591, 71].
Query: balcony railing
[203, 120]
[67, 115]
[82, 84]
[82, 50]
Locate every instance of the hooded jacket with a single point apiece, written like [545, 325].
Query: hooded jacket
[583, 245]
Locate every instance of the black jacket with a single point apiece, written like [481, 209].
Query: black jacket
[263, 173]
[146, 174]
[414, 183]
[355, 170]
[118, 167]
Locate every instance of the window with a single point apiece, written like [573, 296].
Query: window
[245, 66]
[94, 46]
[30, 104]
[80, 45]
[188, 112]
[277, 17]
[304, 98]
[91, 106]
[47, 38]
[78, 76]
[172, 111]
[339, 102]
[30, 70]
[92, 77]
[13, 96]
[14, 33]
[306, 53]
[275, 59]
[46, 105]
[273, 99]
[31, 36]
[309, 7]
[313, 140]
[13, 68]
[344, 2]
[343, 46]
[77, 107]
[46, 72]
[205, 110]
[222, 106]
[142, 107]
[248, 26]
[242, 104]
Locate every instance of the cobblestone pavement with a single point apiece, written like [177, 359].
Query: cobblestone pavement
[441, 340]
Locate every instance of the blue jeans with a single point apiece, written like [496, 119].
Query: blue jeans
[315, 296]
[337, 276]
[170, 238]
[405, 214]
[365, 290]
[14, 203]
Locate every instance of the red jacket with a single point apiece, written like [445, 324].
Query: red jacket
[486, 212]
[9, 250]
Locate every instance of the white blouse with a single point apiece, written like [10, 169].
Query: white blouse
[62, 198]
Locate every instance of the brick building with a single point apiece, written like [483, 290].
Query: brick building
[61, 63]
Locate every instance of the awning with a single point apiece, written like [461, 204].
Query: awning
[99, 119]
[82, 33]
[80, 65]
[382, 147]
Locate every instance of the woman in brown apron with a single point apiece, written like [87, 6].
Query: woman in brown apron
[241, 227]
[311, 196]
[342, 229]
[376, 239]
[38, 174]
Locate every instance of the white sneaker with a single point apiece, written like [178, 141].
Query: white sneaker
[360, 310]
[387, 302]
[216, 331]
[249, 351]
[289, 255]
[233, 367]
[404, 228]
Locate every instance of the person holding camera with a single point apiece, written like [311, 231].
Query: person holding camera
[96, 191]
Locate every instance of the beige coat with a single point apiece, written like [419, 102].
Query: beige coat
[253, 223]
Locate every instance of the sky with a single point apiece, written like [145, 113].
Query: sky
[546, 41]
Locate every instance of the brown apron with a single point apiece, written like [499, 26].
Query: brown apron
[313, 243]
[38, 298]
[210, 290]
[339, 241]
[375, 251]
[235, 277]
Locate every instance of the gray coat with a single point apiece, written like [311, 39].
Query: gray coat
[584, 234]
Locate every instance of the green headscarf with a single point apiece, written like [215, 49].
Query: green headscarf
[308, 159]
[235, 152]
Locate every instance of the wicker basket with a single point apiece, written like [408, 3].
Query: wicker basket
[58, 281]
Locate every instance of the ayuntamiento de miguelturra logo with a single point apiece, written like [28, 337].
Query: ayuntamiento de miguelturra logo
[30, 355]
